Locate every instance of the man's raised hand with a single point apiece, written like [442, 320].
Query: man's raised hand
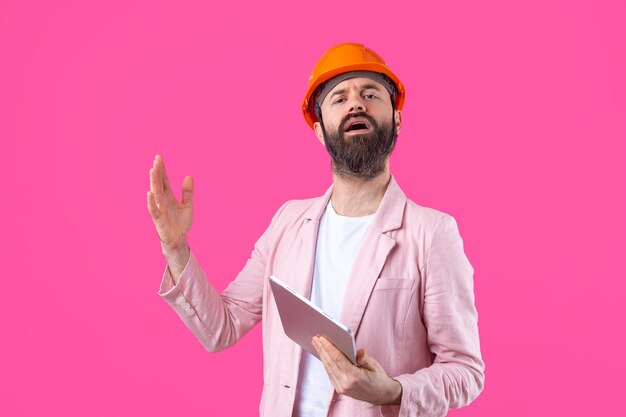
[172, 219]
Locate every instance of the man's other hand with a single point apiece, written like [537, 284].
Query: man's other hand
[368, 381]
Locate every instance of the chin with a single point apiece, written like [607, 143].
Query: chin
[360, 138]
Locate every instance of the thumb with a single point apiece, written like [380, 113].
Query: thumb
[363, 360]
[187, 190]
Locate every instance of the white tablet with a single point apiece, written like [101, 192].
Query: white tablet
[302, 320]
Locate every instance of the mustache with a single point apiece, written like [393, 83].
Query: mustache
[344, 122]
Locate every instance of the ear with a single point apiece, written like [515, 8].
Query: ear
[317, 127]
[398, 120]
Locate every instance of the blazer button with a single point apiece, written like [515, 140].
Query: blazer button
[180, 300]
[190, 312]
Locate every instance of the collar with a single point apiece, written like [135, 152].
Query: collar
[388, 216]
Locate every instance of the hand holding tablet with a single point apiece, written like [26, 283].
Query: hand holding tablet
[302, 320]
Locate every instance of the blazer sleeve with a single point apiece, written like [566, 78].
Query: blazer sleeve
[456, 376]
[220, 320]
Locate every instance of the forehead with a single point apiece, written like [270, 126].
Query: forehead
[358, 83]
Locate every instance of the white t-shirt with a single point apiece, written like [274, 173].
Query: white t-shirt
[338, 241]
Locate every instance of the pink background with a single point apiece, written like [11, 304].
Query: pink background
[514, 123]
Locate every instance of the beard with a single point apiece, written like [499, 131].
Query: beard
[362, 155]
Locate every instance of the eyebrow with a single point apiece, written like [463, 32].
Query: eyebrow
[364, 87]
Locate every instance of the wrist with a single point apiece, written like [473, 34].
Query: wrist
[178, 251]
[177, 259]
[395, 394]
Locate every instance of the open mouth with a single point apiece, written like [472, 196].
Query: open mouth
[358, 125]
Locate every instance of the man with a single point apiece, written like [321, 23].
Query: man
[392, 271]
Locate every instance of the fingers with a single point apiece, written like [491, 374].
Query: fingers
[335, 354]
[152, 206]
[329, 363]
[165, 183]
[158, 176]
[154, 184]
[187, 190]
[160, 186]
[335, 362]
[157, 167]
[156, 189]
[365, 382]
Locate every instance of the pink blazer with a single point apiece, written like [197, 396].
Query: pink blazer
[409, 301]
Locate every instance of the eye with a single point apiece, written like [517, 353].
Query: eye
[370, 96]
[339, 100]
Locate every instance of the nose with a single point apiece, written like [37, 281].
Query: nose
[356, 104]
[357, 107]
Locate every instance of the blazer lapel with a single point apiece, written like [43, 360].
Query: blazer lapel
[372, 255]
[306, 245]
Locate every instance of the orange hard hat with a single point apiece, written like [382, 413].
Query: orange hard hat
[342, 58]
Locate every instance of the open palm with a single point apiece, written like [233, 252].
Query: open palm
[171, 218]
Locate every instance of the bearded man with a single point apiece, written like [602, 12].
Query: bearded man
[392, 271]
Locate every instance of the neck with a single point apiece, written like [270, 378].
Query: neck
[356, 197]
